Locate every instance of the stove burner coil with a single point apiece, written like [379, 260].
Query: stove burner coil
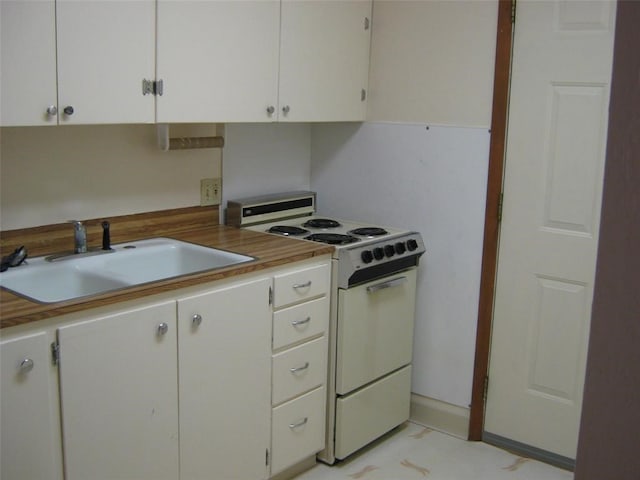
[287, 230]
[332, 238]
[321, 223]
[368, 231]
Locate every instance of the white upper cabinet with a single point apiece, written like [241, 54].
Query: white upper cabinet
[263, 61]
[218, 60]
[324, 60]
[28, 62]
[104, 50]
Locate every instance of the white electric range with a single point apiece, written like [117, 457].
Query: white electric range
[373, 292]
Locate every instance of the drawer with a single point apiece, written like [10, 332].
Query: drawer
[302, 284]
[372, 411]
[298, 428]
[298, 323]
[299, 369]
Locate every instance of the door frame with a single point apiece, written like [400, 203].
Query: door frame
[497, 147]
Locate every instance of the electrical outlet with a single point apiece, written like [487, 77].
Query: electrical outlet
[210, 191]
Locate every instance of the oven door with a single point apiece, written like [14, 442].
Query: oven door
[375, 329]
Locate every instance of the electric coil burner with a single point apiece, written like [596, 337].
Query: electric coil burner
[368, 231]
[372, 297]
[322, 223]
[332, 238]
[287, 230]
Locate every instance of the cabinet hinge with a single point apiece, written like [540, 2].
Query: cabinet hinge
[55, 353]
[266, 457]
[367, 23]
[486, 388]
[270, 296]
[500, 201]
[152, 87]
[363, 95]
[513, 11]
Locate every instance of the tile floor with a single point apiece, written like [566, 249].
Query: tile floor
[414, 452]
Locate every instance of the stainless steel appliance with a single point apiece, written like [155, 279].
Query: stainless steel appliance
[373, 292]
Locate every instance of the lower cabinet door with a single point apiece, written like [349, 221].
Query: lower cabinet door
[224, 352]
[29, 416]
[372, 411]
[118, 389]
[298, 429]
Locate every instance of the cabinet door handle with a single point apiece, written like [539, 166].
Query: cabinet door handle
[271, 110]
[68, 110]
[286, 109]
[299, 424]
[302, 285]
[196, 320]
[299, 369]
[26, 365]
[295, 323]
[52, 110]
[163, 328]
[388, 284]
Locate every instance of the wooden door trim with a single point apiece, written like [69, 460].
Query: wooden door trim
[497, 146]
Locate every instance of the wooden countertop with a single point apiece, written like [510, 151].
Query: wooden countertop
[269, 250]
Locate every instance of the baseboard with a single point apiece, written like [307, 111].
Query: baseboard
[439, 415]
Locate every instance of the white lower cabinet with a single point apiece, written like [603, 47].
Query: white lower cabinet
[299, 364]
[119, 395]
[176, 388]
[224, 376]
[29, 415]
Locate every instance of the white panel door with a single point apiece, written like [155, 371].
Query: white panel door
[549, 233]
[225, 382]
[29, 414]
[105, 50]
[119, 395]
[324, 60]
[218, 60]
[28, 62]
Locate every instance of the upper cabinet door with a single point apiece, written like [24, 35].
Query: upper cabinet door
[105, 50]
[218, 60]
[324, 60]
[28, 62]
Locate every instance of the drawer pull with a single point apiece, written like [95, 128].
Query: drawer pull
[388, 284]
[299, 424]
[302, 285]
[296, 323]
[299, 369]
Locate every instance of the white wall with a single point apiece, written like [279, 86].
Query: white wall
[433, 181]
[53, 174]
[432, 61]
[431, 64]
[265, 158]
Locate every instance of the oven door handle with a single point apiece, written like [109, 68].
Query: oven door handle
[388, 284]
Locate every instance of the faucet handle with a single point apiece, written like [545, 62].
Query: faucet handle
[106, 236]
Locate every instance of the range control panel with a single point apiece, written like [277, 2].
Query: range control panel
[381, 258]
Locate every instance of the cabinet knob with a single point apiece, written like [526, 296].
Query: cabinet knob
[286, 109]
[52, 110]
[163, 328]
[26, 365]
[271, 110]
[68, 110]
[196, 320]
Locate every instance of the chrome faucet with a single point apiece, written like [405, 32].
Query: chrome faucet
[79, 237]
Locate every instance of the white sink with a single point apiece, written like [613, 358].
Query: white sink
[128, 264]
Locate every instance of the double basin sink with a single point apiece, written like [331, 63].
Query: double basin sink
[56, 279]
